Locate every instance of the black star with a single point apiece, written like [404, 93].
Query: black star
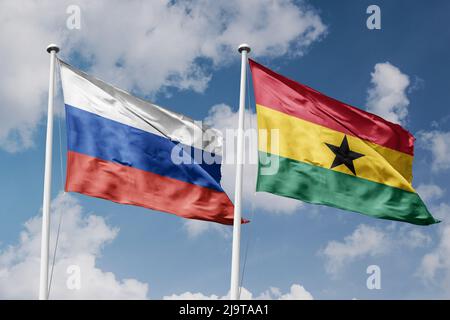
[344, 155]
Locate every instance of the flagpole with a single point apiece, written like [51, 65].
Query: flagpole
[45, 238]
[244, 49]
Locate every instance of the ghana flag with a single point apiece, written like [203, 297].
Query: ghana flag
[327, 152]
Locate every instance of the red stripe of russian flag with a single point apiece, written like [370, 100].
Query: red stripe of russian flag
[127, 185]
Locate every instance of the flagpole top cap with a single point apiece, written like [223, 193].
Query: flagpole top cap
[244, 47]
[52, 47]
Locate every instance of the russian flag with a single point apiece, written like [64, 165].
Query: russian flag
[130, 151]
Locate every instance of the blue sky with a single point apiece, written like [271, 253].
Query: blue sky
[194, 66]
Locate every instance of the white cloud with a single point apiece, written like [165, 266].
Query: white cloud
[368, 241]
[430, 192]
[364, 241]
[438, 143]
[26, 28]
[296, 292]
[409, 237]
[387, 96]
[191, 296]
[194, 228]
[81, 241]
[435, 265]
[140, 45]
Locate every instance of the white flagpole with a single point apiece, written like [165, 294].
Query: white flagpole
[244, 49]
[45, 240]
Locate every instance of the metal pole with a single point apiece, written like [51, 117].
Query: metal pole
[43, 280]
[244, 49]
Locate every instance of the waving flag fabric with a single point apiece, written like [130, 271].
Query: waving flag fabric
[130, 151]
[333, 154]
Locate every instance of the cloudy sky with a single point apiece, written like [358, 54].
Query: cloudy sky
[182, 55]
